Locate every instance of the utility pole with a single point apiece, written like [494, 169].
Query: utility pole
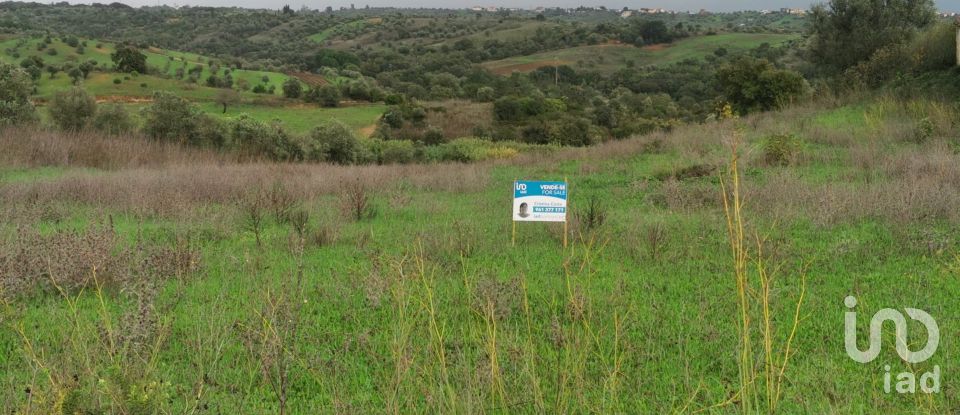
[556, 67]
[957, 24]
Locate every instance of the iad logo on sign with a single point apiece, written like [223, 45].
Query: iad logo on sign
[539, 201]
[906, 382]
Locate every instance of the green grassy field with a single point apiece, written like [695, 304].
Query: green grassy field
[342, 28]
[505, 32]
[296, 119]
[135, 91]
[161, 62]
[250, 285]
[302, 118]
[612, 57]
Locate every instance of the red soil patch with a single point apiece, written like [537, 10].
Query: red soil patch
[609, 43]
[308, 78]
[526, 67]
[658, 46]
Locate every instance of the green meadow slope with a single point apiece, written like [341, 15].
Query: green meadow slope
[235, 287]
[135, 90]
[615, 56]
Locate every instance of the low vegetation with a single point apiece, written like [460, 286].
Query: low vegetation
[387, 264]
[333, 235]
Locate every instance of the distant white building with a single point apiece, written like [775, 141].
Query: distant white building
[795, 12]
[656, 10]
[626, 13]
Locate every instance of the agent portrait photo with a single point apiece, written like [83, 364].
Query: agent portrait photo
[524, 210]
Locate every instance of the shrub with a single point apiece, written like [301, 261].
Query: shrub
[936, 47]
[883, 65]
[170, 117]
[355, 201]
[845, 33]
[257, 138]
[393, 118]
[397, 151]
[112, 119]
[539, 132]
[128, 58]
[507, 109]
[15, 89]
[486, 94]
[575, 131]
[466, 150]
[593, 216]
[781, 149]
[292, 88]
[433, 136]
[328, 96]
[923, 130]
[755, 84]
[332, 141]
[417, 115]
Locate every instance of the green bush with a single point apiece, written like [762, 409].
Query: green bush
[332, 141]
[292, 88]
[885, 64]
[15, 89]
[211, 132]
[781, 149]
[846, 33]
[538, 132]
[507, 109]
[393, 118]
[473, 149]
[433, 136]
[327, 96]
[259, 139]
[72, 109]
[486, 94]
[923, 130]
[396, 151]
[112, 119]
[171, 118]
[755, 84]
[936, 47]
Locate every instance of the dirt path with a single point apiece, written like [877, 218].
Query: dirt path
[368, 130]
[122, 99]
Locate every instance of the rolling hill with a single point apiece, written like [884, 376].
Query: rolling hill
[610, 57]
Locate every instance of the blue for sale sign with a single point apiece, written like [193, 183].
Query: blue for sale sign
[539, 201]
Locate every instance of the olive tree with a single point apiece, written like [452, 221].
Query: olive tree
[72, 109]
[15, 88]
[332, 141]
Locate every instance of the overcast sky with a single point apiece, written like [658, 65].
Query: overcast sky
[731, 5]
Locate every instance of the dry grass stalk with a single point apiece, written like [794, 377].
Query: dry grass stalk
[751, 296]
